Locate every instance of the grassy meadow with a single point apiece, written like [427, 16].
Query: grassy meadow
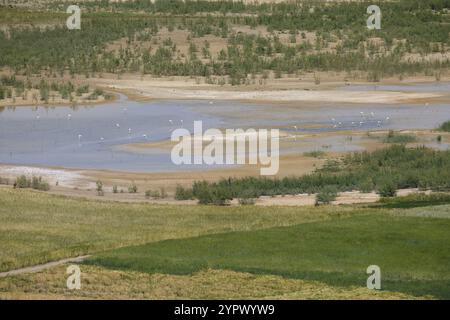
[205, 252]
[410, 251]
[36, 227]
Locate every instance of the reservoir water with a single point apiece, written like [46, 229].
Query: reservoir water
[88, 137]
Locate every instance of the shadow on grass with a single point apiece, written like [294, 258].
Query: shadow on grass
[437, 288]
[411, 252]
[413, 201]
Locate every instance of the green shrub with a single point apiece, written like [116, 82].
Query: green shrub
[248, 197]
[220, 195]
[366, 186]
[35, 183]
[42, 185]
[152, 194]
[183, 193]
[387, 189]
[393, 137]
[247, 201]
[404, 167]
[327, 195]
[445, 126]
[132, 188]
[22, 182]
[314, 154]
[82, 89]
[99, 185]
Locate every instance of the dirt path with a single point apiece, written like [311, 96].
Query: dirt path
[41, 267]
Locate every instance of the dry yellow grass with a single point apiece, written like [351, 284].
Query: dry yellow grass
[99, 283]
[36, 228]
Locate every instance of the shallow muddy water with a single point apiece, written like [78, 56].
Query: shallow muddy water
[89, 137]
[422, 87]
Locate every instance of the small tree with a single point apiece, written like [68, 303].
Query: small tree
[326, 195]
[133, 188]
[99, 188]
[387, 189]
[183, 194]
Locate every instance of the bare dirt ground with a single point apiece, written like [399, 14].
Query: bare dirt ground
[81, 183]
[41, 267]
[276, 90]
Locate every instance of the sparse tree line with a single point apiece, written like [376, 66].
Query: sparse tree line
[24, 182]
[45, 91]
[341, 43]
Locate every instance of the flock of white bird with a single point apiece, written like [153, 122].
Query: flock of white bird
[117, 125]
[365, 118]
[336, 124]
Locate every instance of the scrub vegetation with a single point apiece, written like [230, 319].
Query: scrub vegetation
[226, 41]
[384, 171]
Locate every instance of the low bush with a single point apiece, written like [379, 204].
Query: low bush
[394, 137]
[327, 195]
[445, 126]
[397, 166]
[387, 189]
[247, 198]
[99, 188]
[183, 193]
[366, 186]
[132, 188]
[34, 183]
[152, 194]
[247, 201]
[315, 154]
[218, 196]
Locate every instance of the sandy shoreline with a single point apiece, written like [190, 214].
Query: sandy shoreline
[275, 91]
[81, 183]
[291, 163]
[284, 90]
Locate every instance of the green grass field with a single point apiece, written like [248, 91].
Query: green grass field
[36, 227]
[207, 252]
[411, 252]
